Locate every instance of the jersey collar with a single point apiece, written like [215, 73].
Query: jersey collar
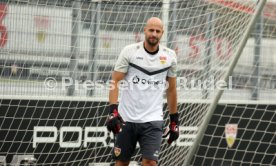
[152, 53]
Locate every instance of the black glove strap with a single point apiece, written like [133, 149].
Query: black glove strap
[113, 107]
[174, 118]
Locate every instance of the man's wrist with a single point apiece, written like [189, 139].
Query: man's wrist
[113, 108]
[174, 117]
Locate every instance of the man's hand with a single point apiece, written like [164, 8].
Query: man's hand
[114, 121]
[172, 130]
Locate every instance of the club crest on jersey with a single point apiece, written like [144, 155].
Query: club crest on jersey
[117, 151]
[231, 131]
[163, 59]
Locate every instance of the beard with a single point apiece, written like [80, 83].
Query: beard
[152, 42]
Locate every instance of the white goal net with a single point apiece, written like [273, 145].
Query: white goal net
[56, 59]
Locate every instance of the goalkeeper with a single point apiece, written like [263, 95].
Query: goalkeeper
[145, 68]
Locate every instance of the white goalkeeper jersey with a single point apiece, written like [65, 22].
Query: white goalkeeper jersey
[145, 81]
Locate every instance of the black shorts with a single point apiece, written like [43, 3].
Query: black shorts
[149, 136]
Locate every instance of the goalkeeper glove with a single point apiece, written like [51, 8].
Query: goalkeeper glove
[172, 130]
[114, 121]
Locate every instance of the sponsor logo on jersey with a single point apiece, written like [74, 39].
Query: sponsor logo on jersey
[163, 59]
[137, 80]
[117, 151]
[139, 57]
[231, 131]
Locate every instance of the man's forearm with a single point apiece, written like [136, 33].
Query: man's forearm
[172, 101]
[113, 93]
[114, 89]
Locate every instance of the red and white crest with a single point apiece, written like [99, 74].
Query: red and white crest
[231, 131]
[117, 151]
[42, 25]
[163, 59]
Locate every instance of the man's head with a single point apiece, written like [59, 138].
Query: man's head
[153, 31]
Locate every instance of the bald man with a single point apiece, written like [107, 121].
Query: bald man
[147, 69]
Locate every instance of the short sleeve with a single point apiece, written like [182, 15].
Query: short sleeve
[173, 69]
[122, 63]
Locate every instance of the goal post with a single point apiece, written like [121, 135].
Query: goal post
[237, 54]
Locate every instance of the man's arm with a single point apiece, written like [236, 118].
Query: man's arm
[114, 90]
[172, 95]
[172, 104]
[114, 120]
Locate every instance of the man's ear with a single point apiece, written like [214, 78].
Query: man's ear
[162, 33]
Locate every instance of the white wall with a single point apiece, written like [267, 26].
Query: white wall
[24, 23]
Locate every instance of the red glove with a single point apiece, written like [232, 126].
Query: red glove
[172, 130]
[114, 121]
